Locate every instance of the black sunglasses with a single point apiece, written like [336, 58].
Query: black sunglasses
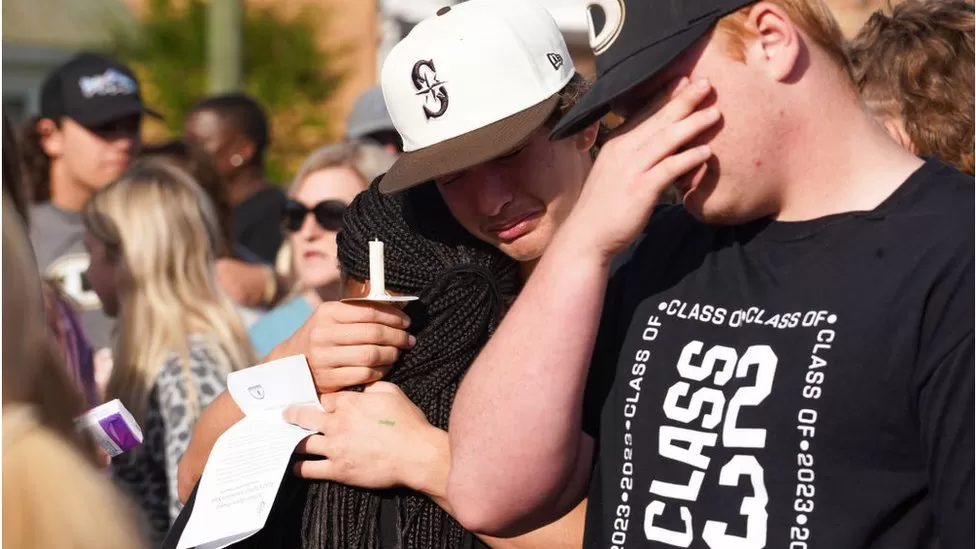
[328, 214]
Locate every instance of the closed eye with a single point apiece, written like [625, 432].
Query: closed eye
[512, 154]
[446, 182]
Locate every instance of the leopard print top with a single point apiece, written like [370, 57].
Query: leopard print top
[148, 474]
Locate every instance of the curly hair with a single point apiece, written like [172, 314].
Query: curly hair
[916, 64]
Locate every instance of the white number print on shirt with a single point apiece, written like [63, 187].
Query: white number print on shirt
[69, 272]
[702, 413]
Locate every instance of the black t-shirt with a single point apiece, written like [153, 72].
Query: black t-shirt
[791, 385]
[257, 223]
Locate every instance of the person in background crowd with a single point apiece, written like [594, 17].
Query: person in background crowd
[370, 121]
[504, 180]
[325, 184]
[84, 137]
[153, 236]
[914, 69]
[239, 271]
[202, 167]
[53, 495]
[785, 360]
[234, 129]
[62, 320]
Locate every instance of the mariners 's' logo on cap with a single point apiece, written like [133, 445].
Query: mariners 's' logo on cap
[605, 19]
[426, 83]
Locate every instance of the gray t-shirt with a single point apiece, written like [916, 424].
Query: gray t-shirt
[56, 235]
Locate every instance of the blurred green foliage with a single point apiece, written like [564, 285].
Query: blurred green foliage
[285, 69]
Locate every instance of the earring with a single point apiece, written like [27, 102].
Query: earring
[236, 160]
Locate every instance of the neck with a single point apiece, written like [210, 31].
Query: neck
[245, 184]
[67, 193]
[830, 168]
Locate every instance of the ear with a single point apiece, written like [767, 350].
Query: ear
[586, 139]
[51, 137]
[896, 129]
[777, 47]
[245, 148]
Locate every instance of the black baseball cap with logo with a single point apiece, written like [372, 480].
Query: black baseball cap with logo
[633, 40]
[93, 90]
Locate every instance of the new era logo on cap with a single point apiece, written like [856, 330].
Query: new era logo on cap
[555, 60]
[111, 82]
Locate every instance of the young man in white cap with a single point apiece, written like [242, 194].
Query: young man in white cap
[787, 361]
[474, 91]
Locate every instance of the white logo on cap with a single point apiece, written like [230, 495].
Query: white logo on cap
[111, 82]
[426, 83]
[614, 12]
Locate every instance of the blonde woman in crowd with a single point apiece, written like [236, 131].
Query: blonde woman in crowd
[53, 496]
[325, 184]
[152, 237]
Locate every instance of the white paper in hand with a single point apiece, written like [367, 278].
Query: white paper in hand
[273, 386]
[247, 463]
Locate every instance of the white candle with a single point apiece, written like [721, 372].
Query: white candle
[377, 281]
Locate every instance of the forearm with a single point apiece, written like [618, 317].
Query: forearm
[430, 478]
[516, 423]
[215, 420]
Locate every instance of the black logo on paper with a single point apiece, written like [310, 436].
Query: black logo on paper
[426, 82]
[256, 391]
[555, 60]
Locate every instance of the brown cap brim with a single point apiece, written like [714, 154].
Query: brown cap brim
[466, 150]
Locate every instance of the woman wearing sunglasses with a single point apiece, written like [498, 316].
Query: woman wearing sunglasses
[325, 184]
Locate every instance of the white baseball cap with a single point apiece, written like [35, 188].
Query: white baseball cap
[470, 84]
